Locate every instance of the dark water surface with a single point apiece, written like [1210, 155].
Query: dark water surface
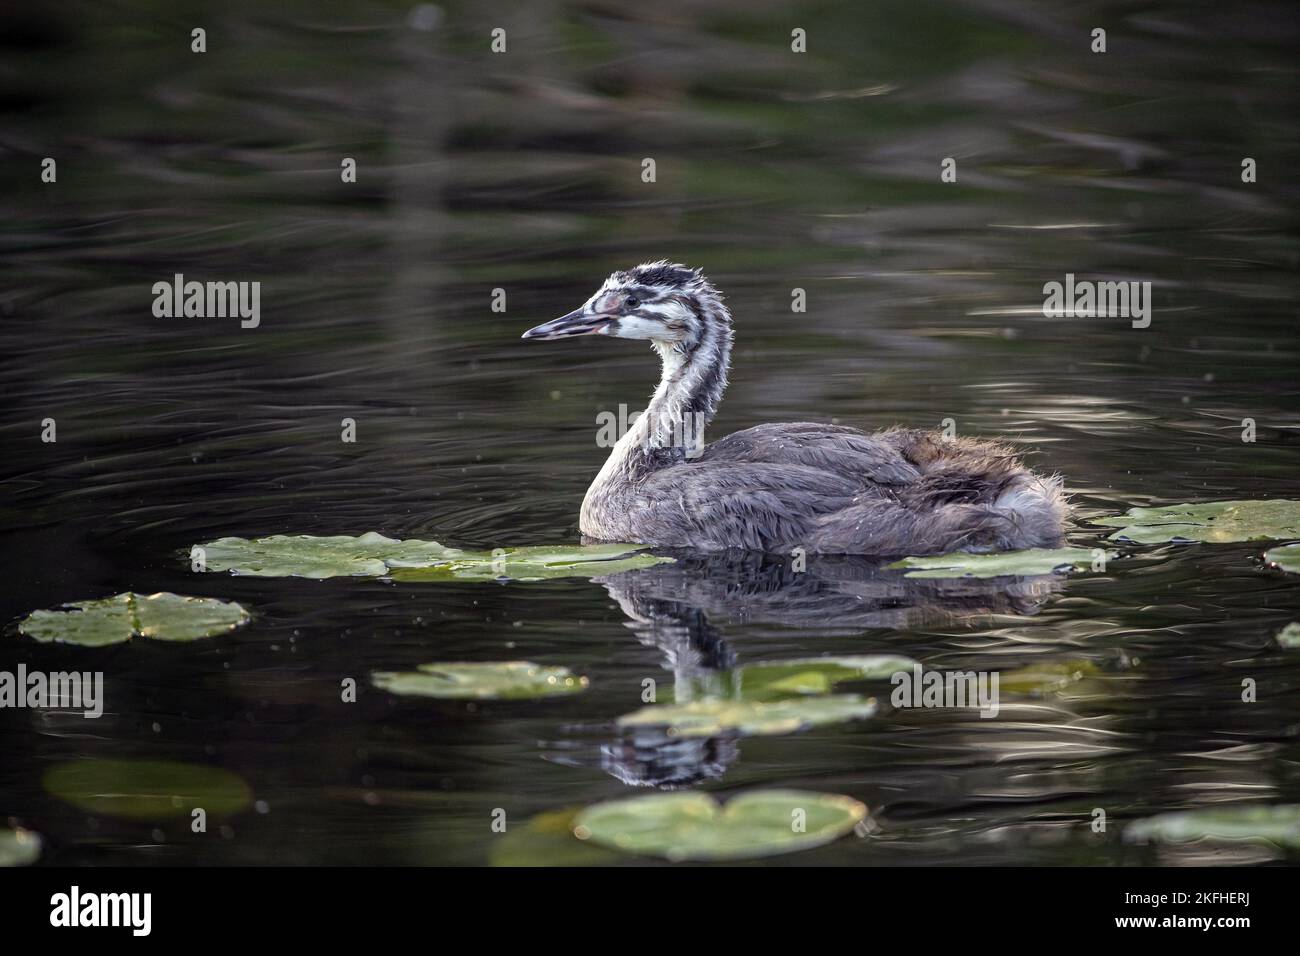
[522, 171]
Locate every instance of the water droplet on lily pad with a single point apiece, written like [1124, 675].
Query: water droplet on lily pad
[19, 847]
[114, 620]
[1278, 825]
[1214, 521]
[694, 826]
[147, 790]
[373, 555]
[508, 680]
[711, 717]
[1027, 563]
[1286, 557]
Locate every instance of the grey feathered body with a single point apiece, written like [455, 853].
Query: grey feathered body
[824, 488]
[831, 489]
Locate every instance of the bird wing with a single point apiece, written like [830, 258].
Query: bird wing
[841, 451]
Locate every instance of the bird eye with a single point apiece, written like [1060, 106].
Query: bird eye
[632, 302]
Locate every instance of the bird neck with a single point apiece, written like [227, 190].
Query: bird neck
[671, 429]
[690, 388]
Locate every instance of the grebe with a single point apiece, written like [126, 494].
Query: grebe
[777, 487]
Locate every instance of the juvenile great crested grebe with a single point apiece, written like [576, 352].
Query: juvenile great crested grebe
[823, 488]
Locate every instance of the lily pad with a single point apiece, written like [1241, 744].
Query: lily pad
[510, 680]
[146, 789]
[114, 620]
[1289, 636]
[1034, 561]
[768, 680]
[373, 555]
[1278, 824]
[547, 840]
[711, 717]
[19, 847]
[1214, 521]
[694, 826]
[1286, 557]
[535, 564]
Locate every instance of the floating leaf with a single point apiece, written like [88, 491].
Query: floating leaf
[694, 826]
[1279, 825]
[1286, 557]
[535, 564]
[146, 789]
[1289, 636]
[1215, 521]
[511, 680]
[711, 717]
[114, 620]
[19, 847]
[768, 680]
[373, 555]
[1033, 561]
[547, 840]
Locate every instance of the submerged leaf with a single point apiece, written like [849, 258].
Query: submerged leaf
[1278, 824]
[147, 789]
[711, 717]
[1286, 557]
[1214, 521]
[19, 847]
[768, 680]
[373, 555]
[694, 826]
[509, 680]
[1034, 561]
[114, 620]
[1045, 678]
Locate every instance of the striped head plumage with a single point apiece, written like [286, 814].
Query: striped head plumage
[671, 305]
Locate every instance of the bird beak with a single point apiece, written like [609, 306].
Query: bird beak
[577, 322]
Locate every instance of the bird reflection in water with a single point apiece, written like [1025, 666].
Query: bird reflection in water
[681, 607]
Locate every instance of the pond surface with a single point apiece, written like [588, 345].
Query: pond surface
[523, 171]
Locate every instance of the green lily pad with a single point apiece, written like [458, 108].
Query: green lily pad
[711, 717]
[1034, 561]
[373, 555]
[19, 847]
[694, 826]
[1289, 636]
[1279, 825]
[1214, 521]
[114, 620]
[535, 564]
[1286, 557]
[509, 680]
[146, 789]
[769, 680]
[547, 840]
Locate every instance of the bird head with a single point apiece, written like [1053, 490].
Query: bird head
[669, 304]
